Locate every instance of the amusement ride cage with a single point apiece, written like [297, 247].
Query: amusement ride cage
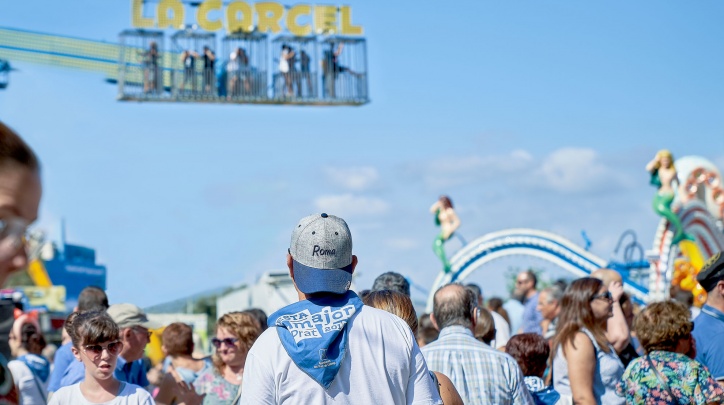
[141, 65]
[300, 81]
[244, 64]
[193, 59]
[344, 70]
[327, 70]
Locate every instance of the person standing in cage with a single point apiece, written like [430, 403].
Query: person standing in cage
[188, 60]
[209, 75]
[233, 69]
[330, 68]
[304, 62]
[286, 67]
[150, 68]
[245, 69]
[448, 221]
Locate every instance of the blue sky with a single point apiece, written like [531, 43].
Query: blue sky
[529, 114]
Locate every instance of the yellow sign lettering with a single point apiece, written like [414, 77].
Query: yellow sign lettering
[325, 19]
[176, 8]
[202, 15]
[293, 14]
[347, 27]
[239, 17]
[137, 19]
[268, 15]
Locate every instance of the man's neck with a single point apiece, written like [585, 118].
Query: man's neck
[716, 303]
[530, 293]
[470, 328]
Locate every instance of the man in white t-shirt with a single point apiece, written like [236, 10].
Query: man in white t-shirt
[329, 348]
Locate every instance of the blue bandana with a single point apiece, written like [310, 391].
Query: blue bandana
[314, 333]
[542, 394]
[37, 364]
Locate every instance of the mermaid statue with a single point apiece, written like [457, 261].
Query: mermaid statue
[663, 176]
[447, 220]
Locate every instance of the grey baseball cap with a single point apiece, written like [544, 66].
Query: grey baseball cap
[129, 315]
[321, 250]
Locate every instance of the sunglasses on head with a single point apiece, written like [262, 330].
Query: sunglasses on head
[113, 348]
[227, 341]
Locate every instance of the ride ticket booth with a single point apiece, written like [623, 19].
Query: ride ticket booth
[343, 62]
[193, 56]
[295, 65]
[244, 67]
[141, 73]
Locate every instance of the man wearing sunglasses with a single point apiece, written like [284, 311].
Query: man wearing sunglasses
[20, 192]
[329, 348]
[709, 325]
[135, 335]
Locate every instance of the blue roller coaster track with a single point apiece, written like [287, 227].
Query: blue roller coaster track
[527, 242]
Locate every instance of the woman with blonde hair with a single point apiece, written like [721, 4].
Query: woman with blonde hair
[668, 372]
[585, 365]
[485, 328]
[401, 305]
[236, 332]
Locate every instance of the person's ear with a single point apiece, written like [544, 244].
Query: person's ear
[434, 322]
[290, 265]
[76, 353]
[354, 262]
[475, 316]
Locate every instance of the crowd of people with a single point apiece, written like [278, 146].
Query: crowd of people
[581, 343]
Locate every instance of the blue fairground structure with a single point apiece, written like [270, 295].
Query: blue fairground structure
[647, 275]
[55, 276]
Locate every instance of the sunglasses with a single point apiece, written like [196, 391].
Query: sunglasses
[95, 351]
[143, 331]
[227, 341]
[606, 296]
[13, 233]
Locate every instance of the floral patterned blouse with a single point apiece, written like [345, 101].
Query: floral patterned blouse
[689, 380]
[218, 391]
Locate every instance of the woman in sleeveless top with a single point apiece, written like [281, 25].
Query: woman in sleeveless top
[586, 367]
[236, 332]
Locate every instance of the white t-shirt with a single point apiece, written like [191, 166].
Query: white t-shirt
[284, 62]
[383, 365]
[131, 394]
[502, 330]
[26, 382]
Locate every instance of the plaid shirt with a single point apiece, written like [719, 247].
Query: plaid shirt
[480, 374]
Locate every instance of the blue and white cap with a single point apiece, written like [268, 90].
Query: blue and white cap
[321, 250]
